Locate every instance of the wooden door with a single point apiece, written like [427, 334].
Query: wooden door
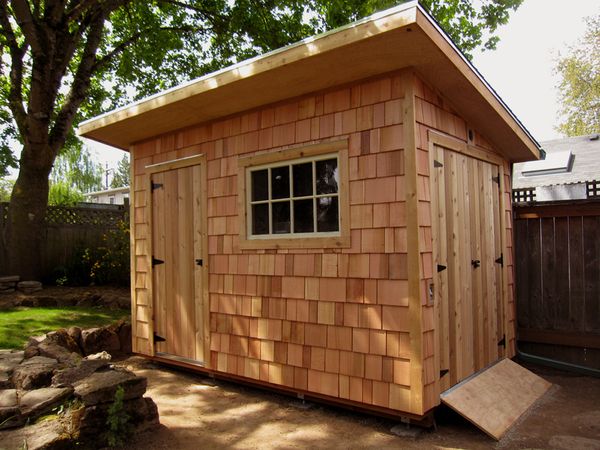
[177, 269]
[467, 263]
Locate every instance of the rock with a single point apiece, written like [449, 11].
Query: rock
[101, 355]
[9, 279]
[71, 375]
[9, 359]
[96, 340]
[124, 334]
[32, 351]
[40, 401]
[89, 300]
[75, 334]
[100, 387]
[29, 285]
[8, 398]
[64, 339]
[5, 380]
[45, 301]
[34, 373]
[53, 350]
[142, 413]
[46, 435]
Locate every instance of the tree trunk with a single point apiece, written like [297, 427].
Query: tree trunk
[26, 213]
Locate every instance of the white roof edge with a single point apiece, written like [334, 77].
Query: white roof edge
[108, 191]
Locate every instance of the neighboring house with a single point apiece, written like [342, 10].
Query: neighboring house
[116, 196]
[570, 171]
[312, 219]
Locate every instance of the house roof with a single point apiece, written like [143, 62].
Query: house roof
[124, 189]
[585, 164]
[401, 37]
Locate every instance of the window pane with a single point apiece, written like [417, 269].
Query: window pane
[280, 182]
[303, 216]
[327, 214]
[303, 184]
[327, 176]
[260, 219]
[260, 185]
[281, 217]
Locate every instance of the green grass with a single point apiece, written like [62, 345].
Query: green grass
[18, 324]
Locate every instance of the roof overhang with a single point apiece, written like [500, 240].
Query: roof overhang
[401, 37]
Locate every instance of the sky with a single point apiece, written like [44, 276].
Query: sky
[521, 69]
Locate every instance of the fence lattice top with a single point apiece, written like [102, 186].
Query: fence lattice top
[88, 216]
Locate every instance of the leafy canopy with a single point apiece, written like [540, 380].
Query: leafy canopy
[579, 86]
[62, 61]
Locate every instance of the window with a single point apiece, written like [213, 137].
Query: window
[295, 198]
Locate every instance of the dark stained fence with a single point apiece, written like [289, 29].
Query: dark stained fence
[557, 250]
[69, 229]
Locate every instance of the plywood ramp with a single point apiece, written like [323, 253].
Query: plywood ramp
[496, 397]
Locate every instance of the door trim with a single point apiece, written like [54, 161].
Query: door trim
[165, 166]
[436, 138]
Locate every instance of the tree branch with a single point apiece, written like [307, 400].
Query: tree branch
[27, 24]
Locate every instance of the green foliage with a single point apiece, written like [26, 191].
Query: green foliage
[6, 187]
[74, 167]
[121, 177]
[18, 324]
[580, 84]
[117, 421]
[62, 194]
[107, 264]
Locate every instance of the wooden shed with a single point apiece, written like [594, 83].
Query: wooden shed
[332, 218]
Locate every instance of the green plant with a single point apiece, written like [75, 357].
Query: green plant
[111, 262]
[117, 421]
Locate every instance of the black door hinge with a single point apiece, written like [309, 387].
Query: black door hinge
[158, 338]
[436, 163]
[199, 262]
[440, 268]
[502, 341]
[500, 260]
[155, 186]
[443, 372]
[496, 179]
[156, 261]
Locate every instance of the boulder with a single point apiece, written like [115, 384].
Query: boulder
[9, 359]
[34, 373]
[5, 380]
[10, 415]
[124, 333]
[142, 414]
[45, 301]
[40, 401]
[71, 375]
[100, 387]
[95, 340]
[53, 350]
[88, 300]
[75, 334]
[64, 339]
[45, 434]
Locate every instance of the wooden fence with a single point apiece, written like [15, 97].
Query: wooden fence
[69, 229]
[557, 251]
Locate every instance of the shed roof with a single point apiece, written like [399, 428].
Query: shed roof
[404, 36]
[585, 165]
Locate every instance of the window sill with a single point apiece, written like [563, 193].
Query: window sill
[285, 243]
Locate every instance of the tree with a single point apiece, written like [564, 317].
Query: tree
[63, 60]
[75, 168]
[63, 194]
[121, 177]
[6, 187]
[580, 84]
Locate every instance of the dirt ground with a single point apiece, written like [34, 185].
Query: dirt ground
[196, 412]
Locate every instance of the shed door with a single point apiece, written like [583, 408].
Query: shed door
[468, 274]
[177, 244]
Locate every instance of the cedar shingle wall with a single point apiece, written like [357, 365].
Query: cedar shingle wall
[332, 321]
[432, 112]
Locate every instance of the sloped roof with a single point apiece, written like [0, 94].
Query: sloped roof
[585, 164]
[401, 37]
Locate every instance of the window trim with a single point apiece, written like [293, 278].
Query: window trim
[339, 239]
